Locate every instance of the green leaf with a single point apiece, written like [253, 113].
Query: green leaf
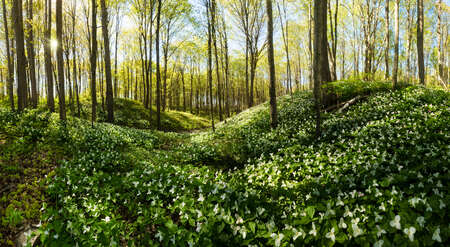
[310, 211]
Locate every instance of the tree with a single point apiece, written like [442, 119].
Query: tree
[8, 58]
[320, 60]
[48, 57]
[109, 86]
[420, 41]
[31, 54]
[158, 67]
[21, 60]
[94, 60]
[60, 61]
[396, 41]
[270, 57]
[210, 79]
[387, 40]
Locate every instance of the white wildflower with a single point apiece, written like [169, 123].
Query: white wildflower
[395, 223]
[436, 236]
[410, 232]
[331, 235]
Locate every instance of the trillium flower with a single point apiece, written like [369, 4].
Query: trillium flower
[278, 238]
[107, 219]
[342, 223]
[410, 232]
[436, 235]
[313, 230]
[421, 221]
[379, 243]
[297, 233]
[201, 198]
[331, 235]
[395, 223]
[380, 231]
[239, 219]
[356, 230]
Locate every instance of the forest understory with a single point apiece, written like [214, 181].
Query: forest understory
[378, 175]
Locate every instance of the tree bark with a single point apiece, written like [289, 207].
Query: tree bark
[321, 65]
[20, 55]
[10, 85]
[396, 41]
[420, 41]
[271, 61]
[48, 57]
[386, 51]
[94, 60]
[210, 79]
[31, 55]
[107, 56]
[60, 61]
[158, 68]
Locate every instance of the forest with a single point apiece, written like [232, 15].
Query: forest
[224, 123]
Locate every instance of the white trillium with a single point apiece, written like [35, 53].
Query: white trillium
[410, 232]
[395, 223]
[313, 230]
[436, 235]
[421, 221]
[379, 243]
[331, 235]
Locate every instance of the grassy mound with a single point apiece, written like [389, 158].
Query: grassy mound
[131, 113]
[377, 176]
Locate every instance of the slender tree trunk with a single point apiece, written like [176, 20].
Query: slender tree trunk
[94, 61]
[109, 85]
[321, 65]
[396, 41]
[158, 68]
[439, 42]
[8, 58]
[387, 40]
[31, 55]
[48, 58]
[272, 90]
[116, 41]
[420, 41]
[216, 52]
[310, 48]
[60, 61]
[74, 53]
[210, 79]
[20, 55]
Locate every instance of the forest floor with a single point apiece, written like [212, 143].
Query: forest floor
[378, 175]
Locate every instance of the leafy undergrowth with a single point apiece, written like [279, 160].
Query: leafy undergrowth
[133, 114]
[377, 176]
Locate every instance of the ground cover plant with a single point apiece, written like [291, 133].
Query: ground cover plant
[377, 176]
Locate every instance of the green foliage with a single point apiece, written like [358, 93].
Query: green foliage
[378, 175]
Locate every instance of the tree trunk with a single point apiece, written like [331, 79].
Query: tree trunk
[94, 61]
[158, 68]
[271, 61]
[439, 42]
[48, 57]
[8, 58]
[210, 79]
[396, 40]
[109, 85]
[60, 61]
[420, 41]
[31, 55]
[321, 65]
[216, 52]
[20, 55]
[387, 40]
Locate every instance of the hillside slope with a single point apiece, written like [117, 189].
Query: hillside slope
[377, 176]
